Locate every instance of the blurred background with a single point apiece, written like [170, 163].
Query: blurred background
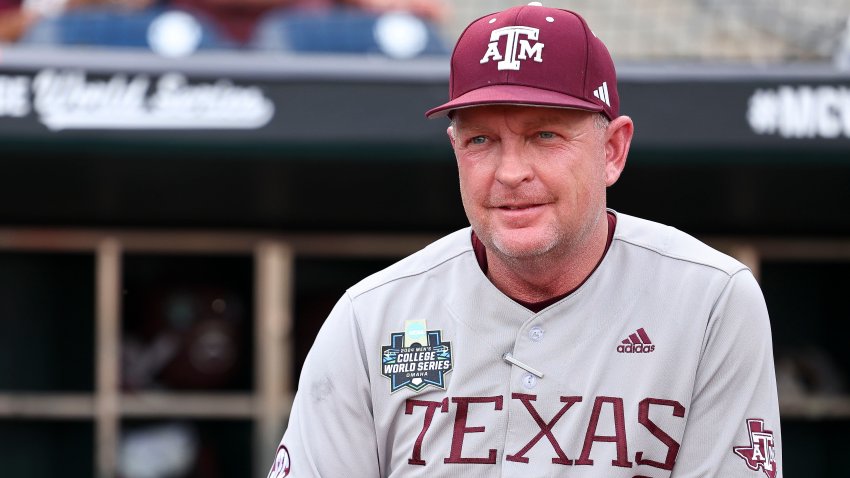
[188, 186]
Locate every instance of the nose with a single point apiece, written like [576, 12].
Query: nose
[513, 168]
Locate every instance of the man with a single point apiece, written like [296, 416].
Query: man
[554, 337]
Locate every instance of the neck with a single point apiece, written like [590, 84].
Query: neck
[539, 278]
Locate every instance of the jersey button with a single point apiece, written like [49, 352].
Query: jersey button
[529, 381]
[535, 333]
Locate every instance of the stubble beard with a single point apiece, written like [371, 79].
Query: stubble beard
[555, 242]
[519, 249]
[552, 244]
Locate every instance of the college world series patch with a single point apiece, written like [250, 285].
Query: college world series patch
[416, 358]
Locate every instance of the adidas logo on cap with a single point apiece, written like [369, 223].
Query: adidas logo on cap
[636, 343]
[602, 93]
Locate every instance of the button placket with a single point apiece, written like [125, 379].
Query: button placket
[536, 333]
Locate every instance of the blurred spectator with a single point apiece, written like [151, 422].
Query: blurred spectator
[238, 18]
[14, 20]
[17, 15]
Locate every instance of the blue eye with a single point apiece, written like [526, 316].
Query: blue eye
[546, 134]
[478, 140]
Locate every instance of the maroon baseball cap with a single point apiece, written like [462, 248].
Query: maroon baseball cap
[531, 55]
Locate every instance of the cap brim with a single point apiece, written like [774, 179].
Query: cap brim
[512, 95]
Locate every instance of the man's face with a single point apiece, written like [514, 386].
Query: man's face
[532, 179]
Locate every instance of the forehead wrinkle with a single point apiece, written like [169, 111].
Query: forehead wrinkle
[518, 119]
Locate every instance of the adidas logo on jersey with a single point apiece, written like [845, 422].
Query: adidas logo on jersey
[636, 343]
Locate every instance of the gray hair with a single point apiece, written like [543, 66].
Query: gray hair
[601, 122]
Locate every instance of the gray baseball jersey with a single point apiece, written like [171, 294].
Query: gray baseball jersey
[659, 365]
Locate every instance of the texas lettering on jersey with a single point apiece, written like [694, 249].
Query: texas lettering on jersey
[583, 445]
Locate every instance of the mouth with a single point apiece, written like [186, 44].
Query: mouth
[518, 207]
[518, 214]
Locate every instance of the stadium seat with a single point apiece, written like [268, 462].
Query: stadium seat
[397, 34]
[117, 28]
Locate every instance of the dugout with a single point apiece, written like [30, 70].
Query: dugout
[143, 197]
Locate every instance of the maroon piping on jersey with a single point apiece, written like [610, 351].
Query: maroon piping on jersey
[481, 257]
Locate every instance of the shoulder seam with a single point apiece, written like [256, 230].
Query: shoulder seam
[404, 276]
[360, 339]
[710, 323]
[684, 259]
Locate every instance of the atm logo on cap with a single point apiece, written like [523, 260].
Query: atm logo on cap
[518, 47]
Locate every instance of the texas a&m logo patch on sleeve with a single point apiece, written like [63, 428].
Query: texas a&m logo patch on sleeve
[761, 454]
[281, 465]
[416, 358]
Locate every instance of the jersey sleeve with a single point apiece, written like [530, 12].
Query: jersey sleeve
[732, 426]
[331, 430]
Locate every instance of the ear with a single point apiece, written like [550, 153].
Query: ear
[618, 138]
[451, 133]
